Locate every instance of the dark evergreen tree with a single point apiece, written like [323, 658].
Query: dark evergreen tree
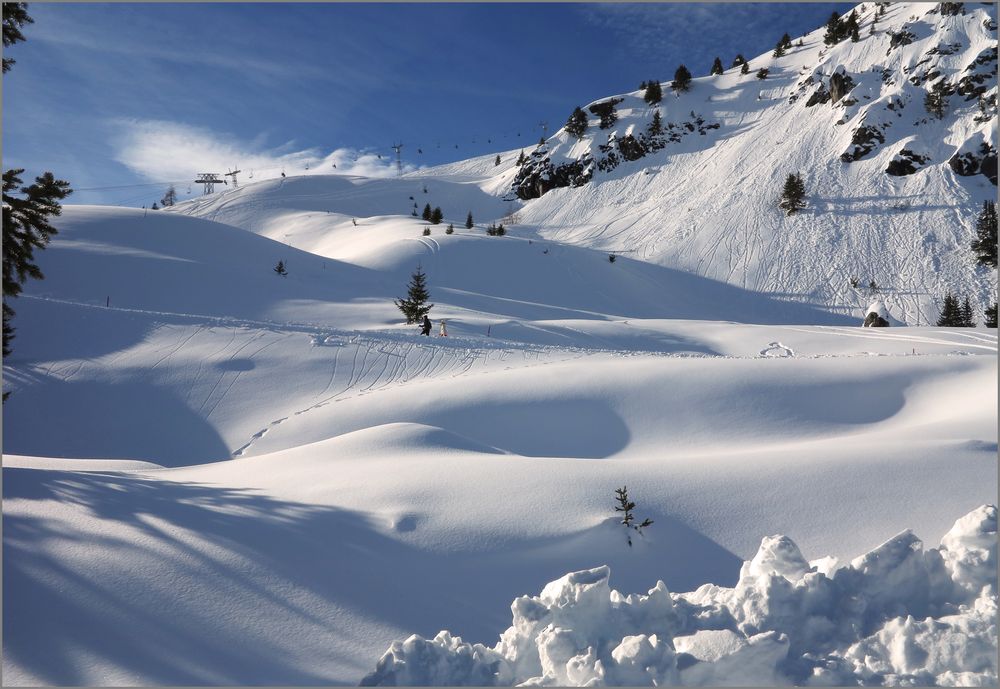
[427, 232]
[155, 207]
[779, 49]
[656, 126]
[625, 506]
[654, 93]
[717, 67]
[642, 86]
[606, 111]
[936, 100]
[170, 198]
[738, 60]
[985, 243]
[745, 68]
[468, 221]
[497, 161]
[15, 16]
[793, 194]
[450, 229]
[521, 158]
[833, 30]
[951, 313]
[786, 42]
[850, 27]
[280, 269]
[426, 215]
[967, 315]
[854, 34]
[437, 216]
[682, 79]
[26, 227]
[762, 73]
[577, 123]
[415, 306]
[991, 316]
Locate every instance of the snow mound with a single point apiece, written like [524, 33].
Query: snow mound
[895, 615]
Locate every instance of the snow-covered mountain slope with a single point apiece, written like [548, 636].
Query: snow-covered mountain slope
[705, 200]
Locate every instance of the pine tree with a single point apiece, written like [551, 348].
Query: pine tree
[450, 229]
[793, 195]
[436, 216]
[717, 67]
[154, 206]
[577, 123]
[15, 16]
[26, 228]
[280, 269]
[855, 35]
[936, 99]
[170, 198]
[786, 42]
[950, 312]
[468, 221]
[654, 93]
[966, 314]
[521, 158]
[762, 73]
[833, 30]
[738, 60]
[415, 306]
[985, 243]
[497, 161]
[656, 126]
[682, 79]
[991, 316]
[745, 69]
[779, 49]
[625, 506]
[850, 27]
[426, 215]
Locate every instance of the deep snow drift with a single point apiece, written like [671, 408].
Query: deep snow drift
[895, 615]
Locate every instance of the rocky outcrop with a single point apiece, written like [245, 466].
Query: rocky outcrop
[906, 162]
[866, 139]
[980, 162]
[840, 85]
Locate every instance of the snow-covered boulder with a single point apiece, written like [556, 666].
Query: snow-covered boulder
[876, 316]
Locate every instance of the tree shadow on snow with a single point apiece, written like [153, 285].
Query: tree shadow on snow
[198, 584]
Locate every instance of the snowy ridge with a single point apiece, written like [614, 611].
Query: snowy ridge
[896, 615]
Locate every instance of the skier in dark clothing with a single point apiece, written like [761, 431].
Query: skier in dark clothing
[426, 328]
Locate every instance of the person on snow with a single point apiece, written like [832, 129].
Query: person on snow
[426, 328]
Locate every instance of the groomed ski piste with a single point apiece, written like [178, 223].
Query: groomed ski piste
[214, 474]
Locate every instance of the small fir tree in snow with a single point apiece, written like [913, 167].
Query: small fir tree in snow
[779, 49]
[786, 42]
[833, 30]
[611, 258]
[936, 100]
[985, 243]
[427, 232]
[154, 206]
[793, 194]
[415, 305]
[450, 229]
[497, 161]
[854, 34]
[991, 316]
[654, 93]
[521, 158]
[170, 198]
[682, 79]
[762, 73]
[951, 312]
[625, 506]
[656, 126]
[716, 67]
[468, 221]
[426, 215]
[437, 216]
[850, 27]
[968, 321]
[745, 68]
[738, 60]
[280, 269]
[577, 123]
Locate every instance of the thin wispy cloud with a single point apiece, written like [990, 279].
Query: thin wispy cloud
[172, 151]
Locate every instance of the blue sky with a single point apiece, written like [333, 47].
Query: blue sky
[125, 94]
